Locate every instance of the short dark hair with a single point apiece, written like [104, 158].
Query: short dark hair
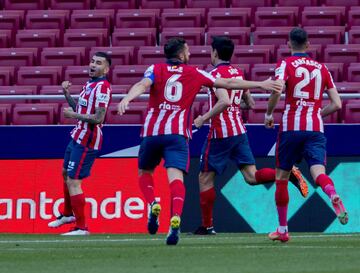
[173, 47]
[224, 47]
[298, 38]
[104, 55]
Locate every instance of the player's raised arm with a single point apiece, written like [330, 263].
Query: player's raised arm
[136, 90]
[233, 83]
[66, 90]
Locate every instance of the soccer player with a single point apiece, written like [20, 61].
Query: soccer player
[301, 132]
[227, 138]
[167, 128]
[86, 141]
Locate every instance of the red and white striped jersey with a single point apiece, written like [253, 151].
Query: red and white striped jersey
[229, 122]
[172, 94]
[95, 94]
[306, 80]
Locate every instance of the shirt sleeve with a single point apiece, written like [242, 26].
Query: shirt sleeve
[103, 94]
[328, 78]
[149, 73]
[281, 71]
[205, 78]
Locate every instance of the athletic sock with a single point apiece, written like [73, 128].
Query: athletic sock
[177, 190]
[207, 200]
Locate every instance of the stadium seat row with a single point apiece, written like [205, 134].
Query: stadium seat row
[52, 113]
[189, 17]
[123, 4]
[129, 74]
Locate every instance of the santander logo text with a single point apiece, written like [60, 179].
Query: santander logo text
[109, 208]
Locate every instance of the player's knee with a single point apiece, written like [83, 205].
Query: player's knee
[250, 180]
[205, 179]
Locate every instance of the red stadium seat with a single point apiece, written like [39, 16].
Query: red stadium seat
[62, 118]
[326, 35]
[348, 87]
[102, 18]
[47, 19]
[128, 74]
[276, 16]
[18, 56]
[342, 53]
[354, 34]
[261, 72]
[205, 3]
[115, 4]
[297, 3]
[34, 114]
[11, 19]
[253, 54]
[200, 55]
[134, 115]
[251, 3]
[193, 36]
[77, 74]
[137, 18]
[271, 36]
[7, 75]
[119, 54]
[5, 38]
[160, 4]
[39, 75]
[150, 55]
[86, 37]
[5, 111]
[354, 72]
[314, 52]
[120, 89]
[57, 90]
[352, 111]
[239, 35]
[63, 56]
[354, 16]
[24, 5]
[346, 3]
[38, 38]
[134, 37]
[256, 115]
[336, 70]
[239, 17]
[182, 18]
[323, 16]
[70, 4]
[18, 90]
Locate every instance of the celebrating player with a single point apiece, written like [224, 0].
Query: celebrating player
[167, 128]
[86, 140]
[227, 138]
[301, 133]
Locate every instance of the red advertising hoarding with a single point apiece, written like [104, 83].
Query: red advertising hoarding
[31, 193]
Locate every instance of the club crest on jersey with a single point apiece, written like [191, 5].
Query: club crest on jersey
[82, 102]
[88, 90]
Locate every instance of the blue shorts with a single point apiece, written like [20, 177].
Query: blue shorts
[78, 160]
[174, 149]
[217, 151]
[293, 146]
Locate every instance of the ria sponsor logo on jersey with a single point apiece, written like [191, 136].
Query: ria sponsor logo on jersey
[302, 102]
[167, 106]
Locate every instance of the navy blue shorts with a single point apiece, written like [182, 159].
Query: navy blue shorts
[216, 153]
[293, 146]
[174, 149]
[78, 160]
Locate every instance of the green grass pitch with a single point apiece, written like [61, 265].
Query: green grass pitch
[223, 253]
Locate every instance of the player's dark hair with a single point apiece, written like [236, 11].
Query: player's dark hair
[224, 47]
[298, 38]
[104, 55]
[173, 47]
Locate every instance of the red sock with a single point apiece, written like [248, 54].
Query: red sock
[207, 200]
[67, 202]
[282, 200]
[326, 184]
[265, 175]
[177, 190]
[146, 184]
[78, 205]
